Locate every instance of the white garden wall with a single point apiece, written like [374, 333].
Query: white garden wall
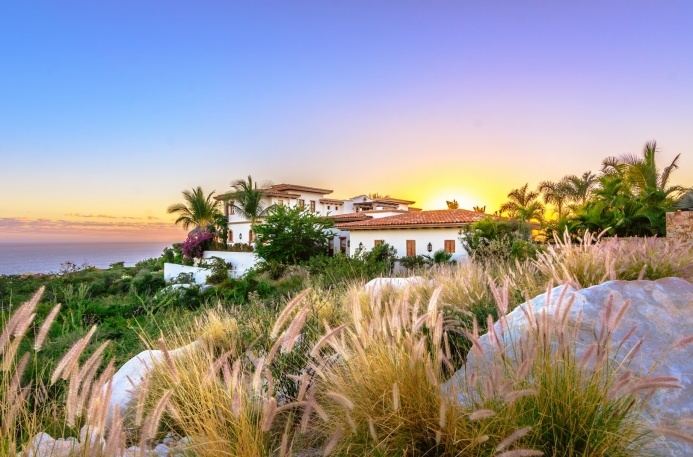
[241, 262]
[172, 270]
[398, 238]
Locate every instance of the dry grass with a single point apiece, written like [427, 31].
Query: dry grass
[595, 260]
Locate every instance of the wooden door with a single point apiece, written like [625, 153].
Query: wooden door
[411, 248]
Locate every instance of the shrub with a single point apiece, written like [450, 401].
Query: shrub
[491, 239]
[146, 282]
[195, 245]
[291, 235]
[441, 256]
[414, 262]
[219, 270]
[240, 247]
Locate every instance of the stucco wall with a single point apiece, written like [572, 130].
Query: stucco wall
[241, 261]
[680, 225]
[172, 270]
[398, 239]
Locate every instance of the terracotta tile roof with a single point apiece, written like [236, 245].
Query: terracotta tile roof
[351, 217]
[331, 200]
[285, 187]
[393, 200]
[436, 218]
[265, 192]
[279, 193]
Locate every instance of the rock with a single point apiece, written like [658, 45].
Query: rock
[128, 378]
[43, 445]
[377, 284]
[161, 450]
[661, 312]
[184, 448]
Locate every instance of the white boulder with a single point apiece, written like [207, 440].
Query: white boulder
[378, 284]
[660, 311]
[128, 378]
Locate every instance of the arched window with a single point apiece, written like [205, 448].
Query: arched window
[230, 236]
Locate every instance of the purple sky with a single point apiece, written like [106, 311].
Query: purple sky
[109, 109]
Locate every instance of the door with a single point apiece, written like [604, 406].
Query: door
[342, 244]
[411, 248]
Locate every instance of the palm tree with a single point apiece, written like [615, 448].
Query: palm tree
[641, 171]
[556, 193]
[452, 204]
[374, 195]
[685, 202]
[523, 204]
[247, 199]
[581, 187]
[198, 211]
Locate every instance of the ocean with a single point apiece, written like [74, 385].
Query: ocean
[47, 257]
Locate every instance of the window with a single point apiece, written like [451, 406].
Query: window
[411, 248]
[450, 246]
[328, 207]
[230, 236]
[312, 205]
[280, 202]
[231, 208]
[301, 203]
[378, 242]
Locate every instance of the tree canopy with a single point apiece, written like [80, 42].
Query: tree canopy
[291, 235]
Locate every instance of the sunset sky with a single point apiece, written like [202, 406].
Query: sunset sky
[109, 109]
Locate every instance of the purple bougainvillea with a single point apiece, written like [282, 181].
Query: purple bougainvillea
[194, 246]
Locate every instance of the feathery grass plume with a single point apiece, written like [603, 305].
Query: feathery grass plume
[68, 363]
[294, 329]
[279, 323]
[673, 433]
[268, 414]
[520, 453]
[481, 414]
[325, 338]
[683, 342]
[514, 395]
[652, 384]
[332, 444]
[341, 399]
[152, 421]
[21, 318]
[45, 327]
[516, 435]
[169, 361]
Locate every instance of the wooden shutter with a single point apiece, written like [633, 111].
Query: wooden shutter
[250, 236]
[411, 248]
[312, 205]
[450, 246]
[378, 242]
[230, 236]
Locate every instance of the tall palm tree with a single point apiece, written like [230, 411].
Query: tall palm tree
[641, 171]
[581, 187]
[247, 199]
[198, 211]
[523, 204]
[556, 193]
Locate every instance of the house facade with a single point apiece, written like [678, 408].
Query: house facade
[413, 233]
[364, 222]
[359, 208]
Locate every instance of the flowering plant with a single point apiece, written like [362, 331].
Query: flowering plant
[195, 245]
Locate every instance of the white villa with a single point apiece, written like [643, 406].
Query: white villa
[363, 222]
